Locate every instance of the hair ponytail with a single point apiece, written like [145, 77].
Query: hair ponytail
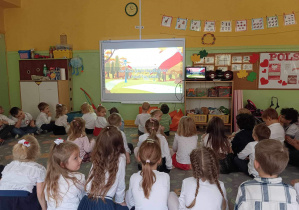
[77, 128]
[152, 127]
[148, 179]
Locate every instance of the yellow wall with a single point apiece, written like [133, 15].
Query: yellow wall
[1, 20]
[38, 24]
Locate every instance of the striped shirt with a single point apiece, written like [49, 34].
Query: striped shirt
[266, 194]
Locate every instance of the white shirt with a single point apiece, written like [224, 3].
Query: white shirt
[292, 130]
[71, 194]
[101, 122]
[85, 146]
[164, 148]
[4, 118]
[119, 186]
[140, 121]
[158, 195]
[277, 132]
[19, 175]
[183, 146]
[41, 119]
[26, 121]
[125, 142]
[90, 119]
[249, 150]
[208, 197]
[62, 121]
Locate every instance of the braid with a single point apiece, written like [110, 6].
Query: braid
[196, 192]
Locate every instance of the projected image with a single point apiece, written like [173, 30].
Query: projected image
[195, 72]
[143, 70]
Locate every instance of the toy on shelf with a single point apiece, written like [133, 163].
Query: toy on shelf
[201, 92]
[77, 63]
[191, 92]
[224, 91]
[212, 92]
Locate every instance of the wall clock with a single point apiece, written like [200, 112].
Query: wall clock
[131, 9]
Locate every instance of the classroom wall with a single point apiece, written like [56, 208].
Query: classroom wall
[38, 24]
[1, 20]
[4, 92]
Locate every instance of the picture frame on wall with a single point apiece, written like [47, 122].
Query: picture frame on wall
[223, 60]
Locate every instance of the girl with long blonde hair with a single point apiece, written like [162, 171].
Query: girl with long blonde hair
[149, 188]
[89, 116]
[78, 136]
[106, 179]
[64, 185]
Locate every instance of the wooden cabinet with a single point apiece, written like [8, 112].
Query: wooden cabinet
[52, 92]
[200, 98]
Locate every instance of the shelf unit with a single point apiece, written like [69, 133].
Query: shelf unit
[198, 102]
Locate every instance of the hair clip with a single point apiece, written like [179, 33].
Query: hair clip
[59, 104]
[58, 141]
[148, 161]
[153, 128]
[24, 143]
[152, 120]
[108, 127]
[150, 141]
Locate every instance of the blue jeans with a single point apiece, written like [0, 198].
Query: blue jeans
[23, 130]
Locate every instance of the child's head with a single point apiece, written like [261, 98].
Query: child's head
[16, 112]
[216, 125]
[114, 119]
[289, 116]
[43, 107]
[63, 159]
[101, 111]
[86, 108]
[243, 111]
[271, 157]
[151, 127]
[145, 106]
[77, 128]
[61, 110]
[187, 127]
[205, 166]
[270, 116]
[245, 121]
[27, 149]
[261, 132]
[113, 110]
[105, 158]
[149, 155]
[164, 108]
[1, 110]
[157, 114]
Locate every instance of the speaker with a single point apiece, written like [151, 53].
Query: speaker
[210, 75]
[228, 75]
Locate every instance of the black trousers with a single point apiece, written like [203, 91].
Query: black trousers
[5, 131]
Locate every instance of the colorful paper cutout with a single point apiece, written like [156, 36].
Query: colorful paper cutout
[252, 76]
[166, 21]
[241, 25]
[264, 81]
[181, 24]
[242, 74]
[257, 23]
[272, 22]
[265, 63]
[226, 26]
[289, 19]
[209, 26]
[195, 25]
[254, 57]
[203, 53]
[195, 58]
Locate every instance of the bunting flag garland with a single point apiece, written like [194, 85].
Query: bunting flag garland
[210, 26]
[241, 25]
[181, 24]
[257, 24]
[289, 19]
[166, 21]
[226, 26]
[272, 21]
[195, 25]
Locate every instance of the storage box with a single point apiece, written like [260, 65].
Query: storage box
[25, 54]
[224, 91]
[225, 118]
[213, 92]
[201, 92]
[63, 53]
[198, 118]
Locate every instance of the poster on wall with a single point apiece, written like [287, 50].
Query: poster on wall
[279, 70]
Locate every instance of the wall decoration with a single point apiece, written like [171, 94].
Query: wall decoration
[207, 35]
[236, 67]
[209, 60]
[272, 22]
[253, 58]
[241, 25]
[289, 19]
[166, 21]
[242, 74]
[209, 67]
[181, 24]
[226, 26]
[195, 58]
[195, 25]
[223, 60]
[247, 67]
[257, 23]
[203, 53]
[237, 59]
[222, 68]
[209, 26]
[279, 70]
[252, 76]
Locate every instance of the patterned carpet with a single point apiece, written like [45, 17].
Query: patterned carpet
[231, 181]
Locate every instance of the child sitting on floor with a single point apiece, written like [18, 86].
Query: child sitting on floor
[43, 120]
[185, 140]
[115, 110]
[260, 132]
[61, 126]
[270, 117]
[78, 136]
[165, 119]
[24, 123]
[142, 118]
[268, 191]
[6, 125]
[101, 121]
[289, 118]
[23, 174]
[89, 116]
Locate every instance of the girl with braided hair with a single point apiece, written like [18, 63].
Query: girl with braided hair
[152, 127]
[149, 188]
[78, 136]
[203, 190]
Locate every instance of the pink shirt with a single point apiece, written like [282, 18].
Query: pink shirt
[84, 145]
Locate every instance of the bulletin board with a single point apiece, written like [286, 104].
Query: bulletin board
[245, 67]
[279, 70]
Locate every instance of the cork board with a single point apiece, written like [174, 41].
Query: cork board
[233, 62]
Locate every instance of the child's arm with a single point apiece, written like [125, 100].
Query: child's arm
[245, 152]
[120, 191]
[7, 121]
[41, 195]
[129, 196]
[88, 146]
[18, 122]
[32, 124]
[128, 158]
[175, 143]
[137, 120]
[167, 153]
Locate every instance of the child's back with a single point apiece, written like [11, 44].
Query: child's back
[140, 121]
[270, 117]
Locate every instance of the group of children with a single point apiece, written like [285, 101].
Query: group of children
[257, 150]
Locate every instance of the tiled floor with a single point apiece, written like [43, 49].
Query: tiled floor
[231, 181]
